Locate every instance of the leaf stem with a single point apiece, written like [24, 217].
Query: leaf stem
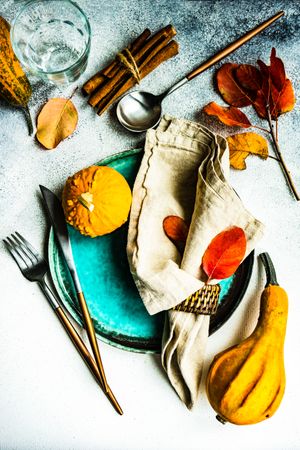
[261, 128]
[274, 157]
[28, 120]
[279, 156]
[257, 154]
[276, 134]
[72, 95]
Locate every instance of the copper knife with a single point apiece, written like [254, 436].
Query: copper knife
[57, 218]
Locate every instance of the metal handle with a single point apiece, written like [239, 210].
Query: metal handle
[49, 294]
[82, 349]
[236, 44]
[92, 338]
[79, 344]
[174, 87]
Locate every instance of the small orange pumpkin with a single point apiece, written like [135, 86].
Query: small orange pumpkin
[96, 200]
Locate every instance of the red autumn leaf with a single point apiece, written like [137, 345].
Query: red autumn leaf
[276, 91]
[177, 230]
[248, 77]
[229, 115]
[224, 254]
[261, 102]
[229, 88]
[264, 97]
[269, 91]
[264, 69]
[277, 71]
[268, 95]
[266, 87]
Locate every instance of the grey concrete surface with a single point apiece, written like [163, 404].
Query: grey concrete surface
[36, 400]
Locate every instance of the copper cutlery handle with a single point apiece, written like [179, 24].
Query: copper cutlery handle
[79, 344]
[231, 47]
[89, 326]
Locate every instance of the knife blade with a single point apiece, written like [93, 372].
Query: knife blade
[57, 217]
[56, 214]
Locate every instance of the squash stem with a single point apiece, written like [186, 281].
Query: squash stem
[269, 268]
[28, 119]
[86, 200]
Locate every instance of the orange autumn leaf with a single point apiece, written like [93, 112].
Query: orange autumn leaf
[56, 121]
[276, 91]
[286, 100]
[232, 92]
[176, 229]
[229, 115]
[271, 94]
[244, 144]
[224, 254]
[266, 86]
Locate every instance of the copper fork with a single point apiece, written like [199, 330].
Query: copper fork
[34, 267]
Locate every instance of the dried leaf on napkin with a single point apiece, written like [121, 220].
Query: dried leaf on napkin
[224, 254]
[177, 231]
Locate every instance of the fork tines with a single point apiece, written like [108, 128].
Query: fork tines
[21, 250]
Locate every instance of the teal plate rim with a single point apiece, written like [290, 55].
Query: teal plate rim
[228, 305]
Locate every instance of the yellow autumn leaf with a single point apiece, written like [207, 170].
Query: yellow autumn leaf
[244, 144]
[56, 121]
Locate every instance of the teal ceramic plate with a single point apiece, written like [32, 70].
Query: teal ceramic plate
[119, 315]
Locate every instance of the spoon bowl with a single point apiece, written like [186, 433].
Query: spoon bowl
[138, 111]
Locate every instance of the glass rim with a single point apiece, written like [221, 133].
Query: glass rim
[19, 54]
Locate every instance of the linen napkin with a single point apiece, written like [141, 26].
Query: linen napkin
[183, 172]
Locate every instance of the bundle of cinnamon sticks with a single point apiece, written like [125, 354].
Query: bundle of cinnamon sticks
[132, 64]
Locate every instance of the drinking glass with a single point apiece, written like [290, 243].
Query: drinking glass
[52, 39]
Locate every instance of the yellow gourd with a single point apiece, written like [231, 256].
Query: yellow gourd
[245, 383]
[14, 85]
[96, 200]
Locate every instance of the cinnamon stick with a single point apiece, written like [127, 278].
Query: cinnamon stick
[168, 51]
[110, 70]
[152, 46]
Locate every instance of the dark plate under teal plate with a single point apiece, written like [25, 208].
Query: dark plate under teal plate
[119, 315]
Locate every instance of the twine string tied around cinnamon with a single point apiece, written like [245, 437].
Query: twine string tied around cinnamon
[126, 59]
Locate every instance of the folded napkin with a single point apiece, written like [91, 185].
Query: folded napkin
[183, 173]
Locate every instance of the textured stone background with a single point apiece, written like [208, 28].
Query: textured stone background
[37, 400]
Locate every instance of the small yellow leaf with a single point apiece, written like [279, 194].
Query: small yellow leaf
[56, 121]
[244, 144]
